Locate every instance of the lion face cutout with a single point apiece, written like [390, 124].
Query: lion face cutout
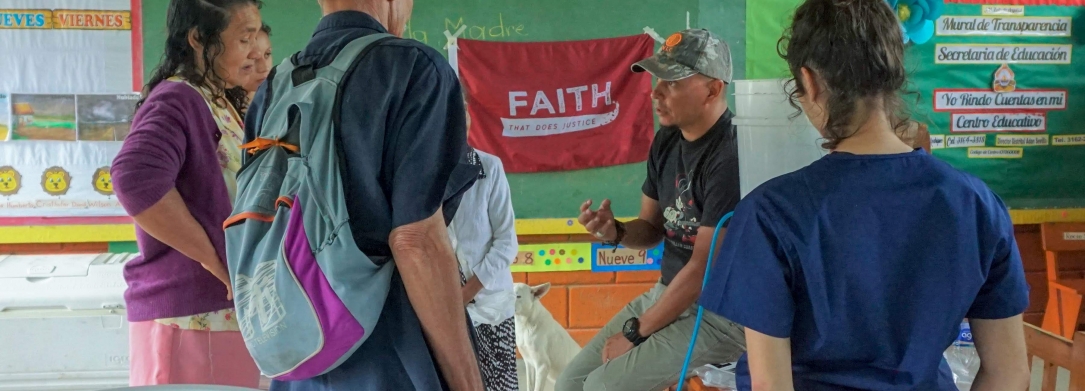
[103, 181]
[10, 181]
[55, 181]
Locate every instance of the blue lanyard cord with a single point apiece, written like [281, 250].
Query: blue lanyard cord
[700, 310]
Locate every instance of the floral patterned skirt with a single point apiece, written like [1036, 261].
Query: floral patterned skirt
[221, 320]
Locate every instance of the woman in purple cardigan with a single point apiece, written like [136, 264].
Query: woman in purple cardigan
[175, 176]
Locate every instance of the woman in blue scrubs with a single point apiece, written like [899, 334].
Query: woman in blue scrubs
[854, 273]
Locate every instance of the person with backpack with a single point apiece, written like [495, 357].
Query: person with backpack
[175, 176]
[855, 272]
[339, 252]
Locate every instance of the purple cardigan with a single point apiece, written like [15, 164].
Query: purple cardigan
[173, 144]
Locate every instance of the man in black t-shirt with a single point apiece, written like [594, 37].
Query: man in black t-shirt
[692, 183]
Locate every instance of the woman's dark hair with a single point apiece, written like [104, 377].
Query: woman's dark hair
[266, 29]
[209, 18]
[857, 50]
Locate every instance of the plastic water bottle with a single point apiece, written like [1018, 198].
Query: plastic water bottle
[962, 358]
[718, 377]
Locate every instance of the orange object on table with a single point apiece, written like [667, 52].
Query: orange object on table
[694, 384]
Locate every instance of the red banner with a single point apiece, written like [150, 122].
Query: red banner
[557, 106]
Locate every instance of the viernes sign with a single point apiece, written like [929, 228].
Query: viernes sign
[960, 53]
[955, 99]
[998, 122]
[1039, 26]
[66, 19]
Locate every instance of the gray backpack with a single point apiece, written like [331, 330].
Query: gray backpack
[306, 296]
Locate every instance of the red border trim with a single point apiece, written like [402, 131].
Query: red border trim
[953, 124]
[1021, 2]
[934, 100]
[41, 221]
[136, 10]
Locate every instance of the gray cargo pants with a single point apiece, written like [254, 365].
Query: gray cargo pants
[654, 365]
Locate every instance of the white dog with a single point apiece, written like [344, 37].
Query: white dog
[546, 347]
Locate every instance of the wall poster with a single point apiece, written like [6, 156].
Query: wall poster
[62, 119]
[1000, 97]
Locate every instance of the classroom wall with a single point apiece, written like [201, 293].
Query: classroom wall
[1042, 176]
[765, 22]
[581, 301]
[542, 195]
[584, 301]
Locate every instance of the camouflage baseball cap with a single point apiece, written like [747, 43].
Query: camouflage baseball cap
[687, 53]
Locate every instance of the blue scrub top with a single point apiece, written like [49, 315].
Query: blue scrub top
[868, 263]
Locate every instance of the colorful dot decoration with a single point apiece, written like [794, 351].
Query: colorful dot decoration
[578, 256]
[558, 256]
[653, 255]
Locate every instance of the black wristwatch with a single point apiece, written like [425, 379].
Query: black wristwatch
[631, 331]
[619, 228]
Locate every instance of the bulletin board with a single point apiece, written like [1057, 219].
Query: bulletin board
[66, 100]
[1027, 146]
[543, 202]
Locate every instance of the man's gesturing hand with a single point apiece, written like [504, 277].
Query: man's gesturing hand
[599, 223]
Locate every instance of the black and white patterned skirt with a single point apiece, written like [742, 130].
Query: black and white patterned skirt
[497, 353]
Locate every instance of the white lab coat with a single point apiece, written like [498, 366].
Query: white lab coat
[483, 234]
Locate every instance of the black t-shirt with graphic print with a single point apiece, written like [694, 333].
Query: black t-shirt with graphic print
[695, 183]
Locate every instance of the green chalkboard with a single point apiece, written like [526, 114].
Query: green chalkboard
[1045, 176]
[546, 195]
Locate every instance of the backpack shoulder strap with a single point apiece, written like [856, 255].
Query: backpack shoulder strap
[356, 47]
[343, 65]
[349, 55]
